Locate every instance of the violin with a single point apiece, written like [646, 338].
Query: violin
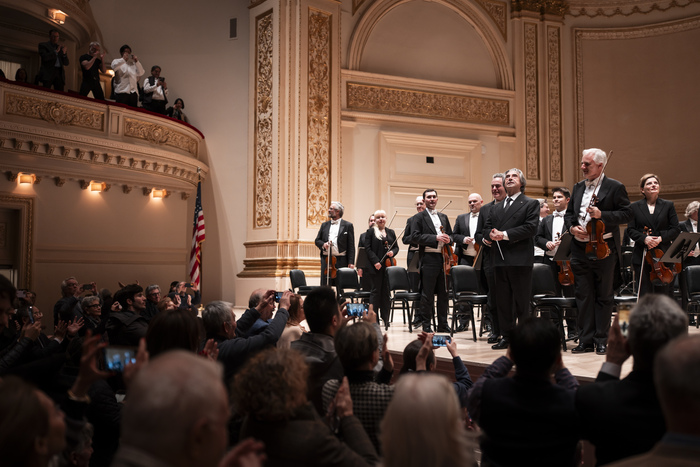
[566, 275]
[597, 247]
[389, 261]
[331, 269]
[659, 273]
[449, 258]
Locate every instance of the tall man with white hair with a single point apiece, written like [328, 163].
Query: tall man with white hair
[693, 259]
[337, 238]
[595, 278]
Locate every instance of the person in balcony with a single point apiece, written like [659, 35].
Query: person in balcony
[127, 71]
[155, 92]
[92, 63]
[177, 111]
[53, 58]
[21, 75]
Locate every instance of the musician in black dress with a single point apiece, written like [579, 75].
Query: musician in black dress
[381, 246]
[654, 226]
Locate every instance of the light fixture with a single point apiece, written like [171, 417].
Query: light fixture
[110, 72]
[25, 178]
[57, 16]
[159, 193]
[97, 187]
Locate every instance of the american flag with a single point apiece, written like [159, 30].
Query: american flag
[197, 238]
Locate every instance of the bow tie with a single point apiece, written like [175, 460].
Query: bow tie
[558, 214]
[475, 214]
[335, 222]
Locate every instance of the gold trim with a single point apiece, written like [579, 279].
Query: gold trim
[263, 121]
[53, 112]
[498, 12]
[554, 99]
[532, 112]
[274, 258]
[159, 134]
[608, 9]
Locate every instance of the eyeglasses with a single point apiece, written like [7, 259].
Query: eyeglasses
[153, 294]
[94, 305]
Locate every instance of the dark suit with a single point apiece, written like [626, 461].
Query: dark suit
[376, 250]
[432, 274]
[664, 223]
[513, 272]
[49, 73]
[595, 279]
[413, 277]
[365, 280]
[621, 418]
[687, 226]
[486, 269]
[346, 244]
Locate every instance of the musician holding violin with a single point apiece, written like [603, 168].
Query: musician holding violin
[381, 248]
[599, 204]
[654, 226]
[336, 241]
[425, 231]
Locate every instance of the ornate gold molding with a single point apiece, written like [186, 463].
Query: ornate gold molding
[263, 121]
[543, 7]
[318, 166]
[498, 12]
[53, 112]
[532, 128]
[159, 135]
[609, 9]
[274, 258]
[414, 103]
[554, 100]
[25, 205]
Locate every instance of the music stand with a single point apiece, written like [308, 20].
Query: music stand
[564, 251]
[681, 247]
[362, 259]
[413, 267]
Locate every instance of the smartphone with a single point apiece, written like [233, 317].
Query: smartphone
[356, 310]
[278, 295]
[623, 318]
[161, 79]
[117, 357]
[87, 287]
[30, 313]
[441, 341]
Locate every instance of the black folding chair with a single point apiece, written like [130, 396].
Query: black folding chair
[400, 290]
[692, 281]
[465, 291]
[348, 286]
[544, 296]
[298, 280]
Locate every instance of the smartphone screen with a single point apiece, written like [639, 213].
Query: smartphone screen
[30, 314]
[278, 295]
[355, 309]
[116, 357]
[623, 318]
[441, 341]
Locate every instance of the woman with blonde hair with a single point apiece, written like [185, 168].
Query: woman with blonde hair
[425, 407]
[381, 247]
[293, 329]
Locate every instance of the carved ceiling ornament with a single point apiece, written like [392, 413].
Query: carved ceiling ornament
[318, 118]
[159, 134]
[413, 103]
[498, 12]
[532, 133]
[53, 112]
[543, 7]
[607, 8]
[554, 100]
[264, 54]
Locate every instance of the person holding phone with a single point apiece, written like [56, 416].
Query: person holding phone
[127, 71]
[155, 92]
[381, 247]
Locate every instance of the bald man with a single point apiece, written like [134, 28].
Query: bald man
[465, 230]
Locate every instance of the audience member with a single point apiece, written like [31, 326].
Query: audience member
[152, 299]
[220, 324]
[622, 418]
[127, 71]
[527, 418]
[317, 346]
[126, 326]
[44, 346]
[68, 306]
[173, 329]
[182, 299]
[53, 58]
[422, 426]
[266, 312]
[177, 111]
[176, 415]
[293, 330]
[78, 449]
[21, 75]
[371, 393]
[13, 347]
[166, 304]
[92, 312]
[92, 63]
[155, 92]
[677, 381]
[270, 391]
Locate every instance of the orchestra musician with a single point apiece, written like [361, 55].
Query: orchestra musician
[381, 246]
[498, 192]
[365, 280]
[693, 258]
[594, 278]
[413, 277]
[544, 212]
[341, 235]
[511, 228]
[660, 216]
[426, 233]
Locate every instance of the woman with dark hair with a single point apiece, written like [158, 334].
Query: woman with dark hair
[21, 75]
[654, 226]
[177, 111]
[270, 392]
[293, 329]
[381, 246]
[172, 329]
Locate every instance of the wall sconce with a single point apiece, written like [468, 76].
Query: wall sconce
[26, 179]
[57, 16]
[159, 194]
[96, 187]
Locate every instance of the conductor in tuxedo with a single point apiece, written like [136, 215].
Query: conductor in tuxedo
[512, 228]
[426, 233]
[659, 216]
[337, 238]
[594, 278]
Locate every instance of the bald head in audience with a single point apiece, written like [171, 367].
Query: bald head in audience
[177, 411]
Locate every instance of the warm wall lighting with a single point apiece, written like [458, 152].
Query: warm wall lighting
[57, 16]
[160, 194]
[26, 179]
[96, 187]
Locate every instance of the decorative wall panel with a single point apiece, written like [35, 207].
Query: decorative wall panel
[53, 112]
[262, 200]
[532, 133]
[554, 101]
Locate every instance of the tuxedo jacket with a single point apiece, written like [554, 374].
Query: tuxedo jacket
[520, 221]
[544, 232]
[376, 249]
[423, 230]
[346, 241]
[613, 203]
[686, 226]
[48, 54]
[663, 222]
[461, 231]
